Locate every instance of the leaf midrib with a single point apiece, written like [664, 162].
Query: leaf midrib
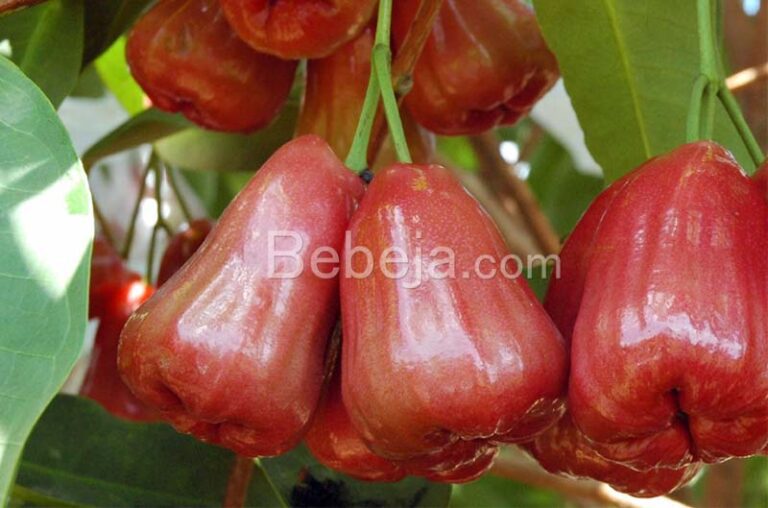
[631, 82]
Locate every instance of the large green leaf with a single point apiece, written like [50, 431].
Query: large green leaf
[81, 455]
[47, 44]
[46, 226]
[206, 150]
[629, 68]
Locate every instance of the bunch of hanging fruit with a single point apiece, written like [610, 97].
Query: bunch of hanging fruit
[647, 359]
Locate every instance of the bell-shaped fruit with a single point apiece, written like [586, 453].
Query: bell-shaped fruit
[295, 29]
[115, 292]
[445, 351]
[186, 57]
[231, 348]
[562, 449]
[181, 247]
[664, 288]
[335, 442]
[484, 64]
[335, 91]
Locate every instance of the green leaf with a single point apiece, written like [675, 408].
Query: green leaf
[47, 44]
[46, 226]
[205, 150]
[563, 192]
[304, 482]
[494, 491]
[629, 68]
[114, 72]
[79, 454]
[216, 190]
[105, 21]
[146, 127]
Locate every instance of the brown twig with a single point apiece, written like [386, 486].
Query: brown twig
[239, 481]
[504, 181]
[515, 233]
[747, 77]
[402, 67]
[724, 484]
[530, 474]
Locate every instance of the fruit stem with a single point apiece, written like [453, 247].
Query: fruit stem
[379, 85]
[136, 205]
[737, 117]
[357, 158]
[239, 481]
[160, 224]
[403, 65]
[382, 63]
[693, 127]
[171, 174]
[710, 85]
[707, 51]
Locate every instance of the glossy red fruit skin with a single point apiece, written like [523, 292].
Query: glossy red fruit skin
[562, 449]
[187, 59]
[224, 349]
[664, 285]
[761, 178]
[115, 292]
[335, 91]
[484, 64]
[102, 381]
[440, 373]
[181, 247]
[335, 442]
[296, 29]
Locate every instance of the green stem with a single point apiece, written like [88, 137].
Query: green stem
[136, 206]
[708, 112]
[171, 173]
[357, 158]
[737, 117]
[693, 126]
[382, 63]
[707, 50]
[379, 84]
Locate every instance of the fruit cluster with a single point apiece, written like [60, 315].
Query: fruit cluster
[647, 360]
[229, 64]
